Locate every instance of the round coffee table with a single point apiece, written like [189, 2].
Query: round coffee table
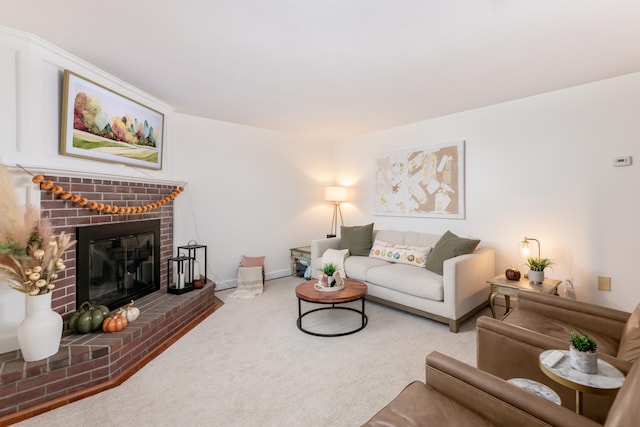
[353, 290]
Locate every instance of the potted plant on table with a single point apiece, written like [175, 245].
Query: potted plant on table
[583, 353]
[326, 278]
[536, 268]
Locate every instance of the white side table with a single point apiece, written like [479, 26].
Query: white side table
[537, 388]
[606, 381]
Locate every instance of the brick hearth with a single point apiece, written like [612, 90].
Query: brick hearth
[88, 364]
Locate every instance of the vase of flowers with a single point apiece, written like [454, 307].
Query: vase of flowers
[31, 256]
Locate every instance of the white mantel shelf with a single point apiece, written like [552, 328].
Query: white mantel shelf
[38, 169]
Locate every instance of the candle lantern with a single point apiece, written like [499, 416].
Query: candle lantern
[199, 254]
[180, 271]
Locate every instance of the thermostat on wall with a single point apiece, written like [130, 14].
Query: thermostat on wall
[622, 161]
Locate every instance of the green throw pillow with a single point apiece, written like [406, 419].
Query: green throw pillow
[358, 239]
[449, 246]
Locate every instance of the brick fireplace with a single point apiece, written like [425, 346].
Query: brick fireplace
[88, 364]
[65, 216]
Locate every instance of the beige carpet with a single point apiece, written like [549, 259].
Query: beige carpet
[249, 365]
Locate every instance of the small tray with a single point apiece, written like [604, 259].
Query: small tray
[321, 288]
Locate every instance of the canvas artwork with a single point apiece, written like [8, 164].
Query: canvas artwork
[100, 124]
[426, 182]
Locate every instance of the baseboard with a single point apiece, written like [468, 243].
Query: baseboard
[269, 275]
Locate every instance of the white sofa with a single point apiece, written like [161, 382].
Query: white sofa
[451, 298]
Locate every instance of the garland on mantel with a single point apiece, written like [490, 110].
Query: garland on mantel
[84, 202]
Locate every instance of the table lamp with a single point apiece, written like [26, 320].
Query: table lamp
[525, 245]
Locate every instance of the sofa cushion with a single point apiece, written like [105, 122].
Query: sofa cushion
[391, 236]
[356, 267]
[404, 254]
[551, 327]
[357, 239]
[413, 238]
[420, 405]
[629, 349]
[335, 257]
[409, 280]
[449, 246]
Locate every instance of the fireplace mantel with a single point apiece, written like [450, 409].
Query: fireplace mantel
[79, 173]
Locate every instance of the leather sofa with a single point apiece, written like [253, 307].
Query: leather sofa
[448, 298]
[510, 347]
[456, 394]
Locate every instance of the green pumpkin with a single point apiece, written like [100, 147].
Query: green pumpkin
[88, 318]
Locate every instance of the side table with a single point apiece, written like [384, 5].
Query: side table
[606, 381]
[297, 254]
[537, 388]
[503, 286]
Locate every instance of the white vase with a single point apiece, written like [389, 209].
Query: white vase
[583, 361]
[536, 276]
[40, 332]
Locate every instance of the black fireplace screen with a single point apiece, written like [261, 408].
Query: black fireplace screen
[117, 262]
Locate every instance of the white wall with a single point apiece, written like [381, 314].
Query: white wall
[540, 167]
[250, 192]
[31, 74]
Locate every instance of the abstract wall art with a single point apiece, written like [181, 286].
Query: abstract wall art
[426, 182]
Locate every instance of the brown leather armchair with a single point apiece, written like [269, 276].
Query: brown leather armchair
[510, 348]
[457, 394]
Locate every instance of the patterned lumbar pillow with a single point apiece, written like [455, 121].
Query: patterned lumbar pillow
[412, 255]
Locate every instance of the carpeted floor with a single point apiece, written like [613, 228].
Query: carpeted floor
[249, 365]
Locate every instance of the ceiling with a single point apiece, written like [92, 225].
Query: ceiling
[333, 69]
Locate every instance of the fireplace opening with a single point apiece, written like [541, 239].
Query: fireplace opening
[117, 262]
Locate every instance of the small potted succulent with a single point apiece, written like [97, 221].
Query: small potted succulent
[583, 353]
[536, 268]
[326, 278]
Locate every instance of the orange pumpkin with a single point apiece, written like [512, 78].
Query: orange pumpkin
[115, 322]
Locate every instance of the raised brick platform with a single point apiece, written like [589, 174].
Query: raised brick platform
[90, 363]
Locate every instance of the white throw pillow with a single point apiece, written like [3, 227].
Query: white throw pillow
[412, 255]
[336, 257]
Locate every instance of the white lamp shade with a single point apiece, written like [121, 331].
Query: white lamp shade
[335, 194]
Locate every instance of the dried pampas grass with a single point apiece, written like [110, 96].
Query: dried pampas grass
[16, 224]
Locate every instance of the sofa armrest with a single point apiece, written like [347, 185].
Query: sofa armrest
[502, 403]
[601, 319]
[465, 276]
[318, 248]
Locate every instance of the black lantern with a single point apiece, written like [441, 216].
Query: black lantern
[199, 272]
[180, 271]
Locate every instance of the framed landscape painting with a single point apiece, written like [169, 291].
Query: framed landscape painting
[426, 182]
[100, 124]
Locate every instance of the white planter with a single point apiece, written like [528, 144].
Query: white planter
[583, 361]
[40, 332]
[536, 276]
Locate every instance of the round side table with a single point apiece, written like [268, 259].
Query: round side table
[606, 381]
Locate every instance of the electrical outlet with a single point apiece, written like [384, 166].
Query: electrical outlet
[604, 283]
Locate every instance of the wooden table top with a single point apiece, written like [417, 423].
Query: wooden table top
[353, 290]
